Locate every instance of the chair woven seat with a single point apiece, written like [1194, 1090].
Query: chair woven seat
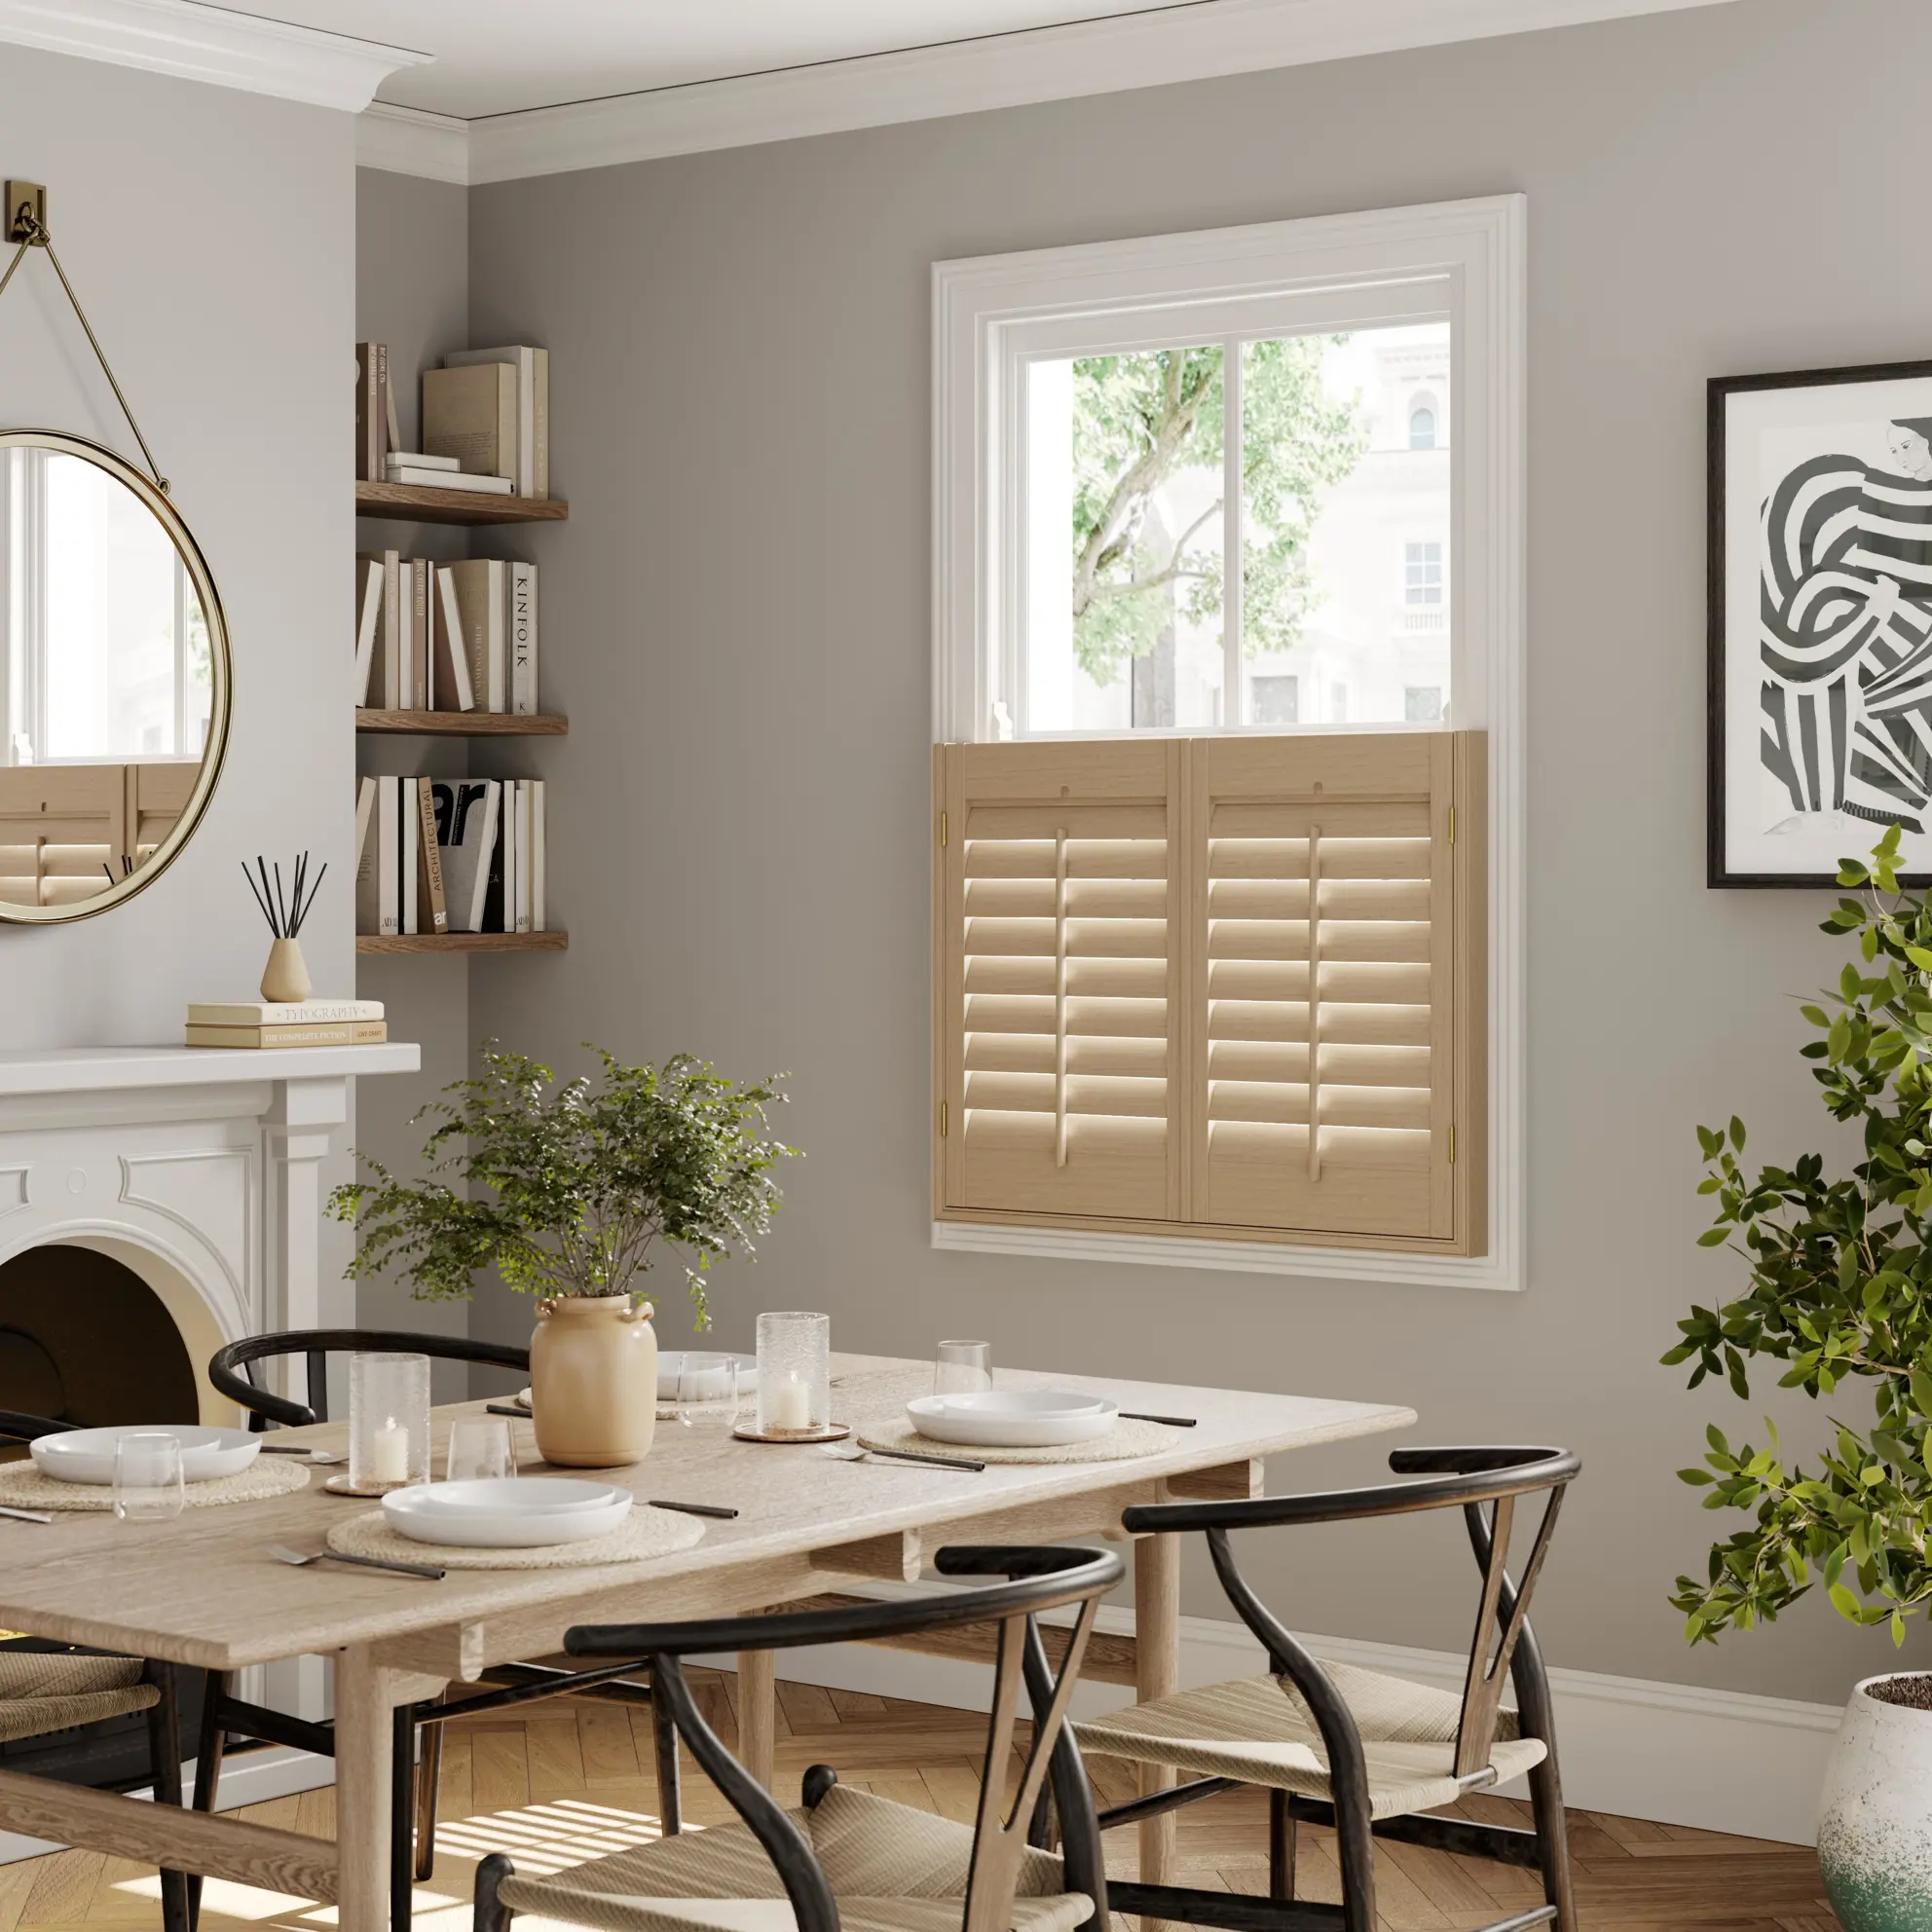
[891, 1869]
[1260, 1731]
[42, 1693]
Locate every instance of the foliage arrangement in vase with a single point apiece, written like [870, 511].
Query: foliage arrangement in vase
[565, 1189]
[1840, 1290]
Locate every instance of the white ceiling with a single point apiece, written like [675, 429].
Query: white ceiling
[498, 57]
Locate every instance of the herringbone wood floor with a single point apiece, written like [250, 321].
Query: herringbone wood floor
[572, 1780]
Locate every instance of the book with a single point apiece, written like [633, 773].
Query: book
[471, 414]
[522, 589]
[481, 601]
[369, 607]
[467, 812]
[386, 673]
[450, 480]
[388, 851]
[392, 435]
[419, 633]
[454, 690]
[538, 866]
[533, 408]
[418, 460]
[369, 908]
[409, 858]
[350, 1034]
[519, 905]
[368, 413]
[429, 887]
[284, 1013]
[497, 880]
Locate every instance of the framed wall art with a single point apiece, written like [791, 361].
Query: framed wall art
[1820, 621]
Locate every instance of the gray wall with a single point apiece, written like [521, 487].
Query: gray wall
[412, 293]
[736, 618]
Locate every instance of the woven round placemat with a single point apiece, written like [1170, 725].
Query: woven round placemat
[645, 1532]
[23, 1487]
[1121, 1443]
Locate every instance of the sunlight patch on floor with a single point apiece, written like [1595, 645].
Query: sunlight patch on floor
[546, 1838]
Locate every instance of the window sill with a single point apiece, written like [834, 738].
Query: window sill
[1246, 1258]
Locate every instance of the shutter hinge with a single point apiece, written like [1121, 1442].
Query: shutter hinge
[942, 1120]
[1452, 825]
[1452, 1146]
[941, 831]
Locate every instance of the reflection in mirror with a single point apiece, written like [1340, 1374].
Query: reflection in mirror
[110, 678]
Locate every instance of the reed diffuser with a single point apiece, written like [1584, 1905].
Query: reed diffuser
[286, 976]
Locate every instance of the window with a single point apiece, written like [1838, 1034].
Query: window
[1235, 583]
[1422, 573]
[1221, 985]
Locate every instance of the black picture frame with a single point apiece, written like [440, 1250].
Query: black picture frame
[1721, 390]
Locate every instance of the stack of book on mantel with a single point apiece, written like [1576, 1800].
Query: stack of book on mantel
[433, 636]
[439, 472]
[302, 1023]
[450, 855]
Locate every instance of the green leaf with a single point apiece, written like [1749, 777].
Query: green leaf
[1714, 1237]
[1843, 1602]
[1737, 1133]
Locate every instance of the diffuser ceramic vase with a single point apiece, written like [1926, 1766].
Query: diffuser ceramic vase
[1874, 1832]
[593, 1380]
[286, 978]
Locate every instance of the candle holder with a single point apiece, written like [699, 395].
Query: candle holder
[794, 1380]
[388, 1424]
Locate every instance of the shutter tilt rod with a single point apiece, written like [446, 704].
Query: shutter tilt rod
[1315, 1002]
[1060, 997]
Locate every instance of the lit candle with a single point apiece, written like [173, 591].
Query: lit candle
[388, 1453]
[791, 1404]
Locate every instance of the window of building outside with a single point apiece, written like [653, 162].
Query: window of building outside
[1422, 704]
[1276, 700]
[1422, 573]
[1422, 427]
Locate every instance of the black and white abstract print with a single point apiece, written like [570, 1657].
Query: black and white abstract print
[1822, 622]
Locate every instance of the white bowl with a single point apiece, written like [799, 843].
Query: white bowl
[86, 1455]
[511, 1512]
[1012, 1418]
[670, 1365]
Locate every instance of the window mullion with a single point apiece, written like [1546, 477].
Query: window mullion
[1234, 710]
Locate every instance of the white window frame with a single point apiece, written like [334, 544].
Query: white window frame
[991, 313]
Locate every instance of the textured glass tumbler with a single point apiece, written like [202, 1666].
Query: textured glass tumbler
[388, 1420]
[793, 1373]
[707, 1398]
[963, 1368]
[147, 1478]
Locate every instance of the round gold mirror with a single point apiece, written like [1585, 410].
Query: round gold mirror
[115, 700]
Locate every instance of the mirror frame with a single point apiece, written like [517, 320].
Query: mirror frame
[221, 677]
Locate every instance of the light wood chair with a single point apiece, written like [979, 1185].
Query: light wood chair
[1370, 1754]
[846, 1859]
[47, 1688]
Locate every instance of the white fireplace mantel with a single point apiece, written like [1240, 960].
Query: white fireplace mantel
[201, 1168]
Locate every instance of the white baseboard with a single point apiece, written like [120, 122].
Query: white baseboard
[1669, 1752]
[252, 1778]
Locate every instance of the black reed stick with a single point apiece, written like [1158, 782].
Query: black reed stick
[285, 905]
[256, 896]
[307, 906]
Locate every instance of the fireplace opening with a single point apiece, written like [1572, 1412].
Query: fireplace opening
[85, 1341]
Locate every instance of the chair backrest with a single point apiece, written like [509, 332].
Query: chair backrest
[1039, 1579]
[1485, 1483]
[231, 1369]
[15, 1427]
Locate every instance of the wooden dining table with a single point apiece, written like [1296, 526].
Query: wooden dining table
[203, 1590]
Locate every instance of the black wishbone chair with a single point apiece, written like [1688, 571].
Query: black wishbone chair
[846, 1859]
[413, 1798]
[48, 1688]
[1363, 1752]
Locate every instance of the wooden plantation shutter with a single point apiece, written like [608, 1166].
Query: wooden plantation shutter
[1229, 987]
[1059, 910]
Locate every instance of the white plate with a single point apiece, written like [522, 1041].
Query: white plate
[520, 1512]
[1012, 1418]
[671, 1364]
[86, 1455]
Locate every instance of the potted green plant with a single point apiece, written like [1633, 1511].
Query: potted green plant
[566, 1189]
[1840, 1291]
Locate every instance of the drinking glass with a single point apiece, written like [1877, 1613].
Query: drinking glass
[148, 1486]
[479, 1449]
[963, 1368]
[794, 1372]
[708, 1393]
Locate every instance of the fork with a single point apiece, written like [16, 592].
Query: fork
[839, 1455]
[27, 1516]
[283, 1554]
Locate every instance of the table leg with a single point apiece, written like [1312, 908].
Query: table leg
[758, 1713]
[1157, 1674]
[366, 1695]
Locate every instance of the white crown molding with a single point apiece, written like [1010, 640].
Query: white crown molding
[410, 140]
[1180, 43]
[209, 44]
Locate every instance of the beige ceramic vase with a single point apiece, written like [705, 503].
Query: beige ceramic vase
[593, 1381]
[286, 977]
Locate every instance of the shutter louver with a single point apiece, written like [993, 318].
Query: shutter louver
[1059, 1011]
[1227, 986]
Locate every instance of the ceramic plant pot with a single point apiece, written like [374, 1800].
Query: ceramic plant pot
[593, 1380]
[1874, 1832]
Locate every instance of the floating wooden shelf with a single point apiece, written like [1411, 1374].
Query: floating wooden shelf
[366, 943]
[465, 724]
[419, 502]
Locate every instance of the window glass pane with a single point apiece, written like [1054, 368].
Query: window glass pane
[1122, 593]
[1345, 522]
